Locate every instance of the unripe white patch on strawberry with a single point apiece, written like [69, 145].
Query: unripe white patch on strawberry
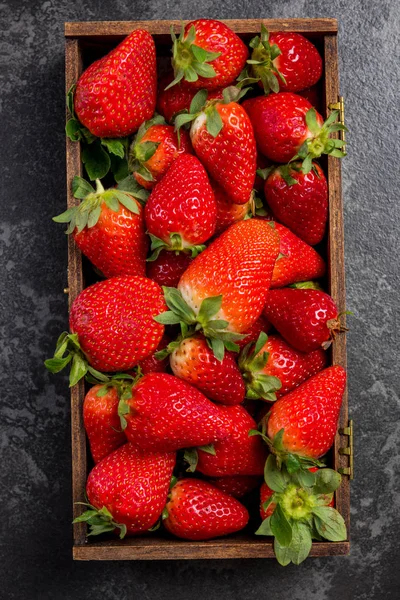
[194, 301]
[197, 124]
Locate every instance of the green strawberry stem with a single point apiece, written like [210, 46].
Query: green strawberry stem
[176, 244]
[251, 364]
[100, 521]
[261, 63]
[123, 384]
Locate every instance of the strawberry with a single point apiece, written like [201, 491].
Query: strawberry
[227, 211]
[251, 334]
[314, 95]
[181, 212]
[118, 92]
[297, 261]
[112, 328]
[284, 61]
[154, 149]
[151, 364]
[166, 413]
[236, 485]
[108, 227]
[308, 319]
[177, 99]
[206, 41]
[127, 490]
[237, 454]
[194, 361]
[168, 267]
[198, 510]
[275, 361]
[287, 127]
[299, 201]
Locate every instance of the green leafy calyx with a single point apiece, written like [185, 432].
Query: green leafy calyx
[252, 363]
[175, 244]
[100, 521]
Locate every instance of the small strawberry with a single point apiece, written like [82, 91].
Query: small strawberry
[181, 212]
[254, 331]
[194, 361]
[127, 490]
[297, 261]
[287, 128]
[108, 227]
[207, 54]
[166, 413]
[236, 485]
[308, 319]
[168, 267]
[198, 510]
[299, 201]
[112, 328]
[154, 149]
[118, 92]
[227, 211]
[272, 360]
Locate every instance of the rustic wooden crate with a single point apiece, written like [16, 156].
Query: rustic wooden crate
[82, 39]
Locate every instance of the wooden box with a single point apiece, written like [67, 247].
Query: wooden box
[84, 41]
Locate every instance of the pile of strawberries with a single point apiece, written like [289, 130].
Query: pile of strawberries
[201, 234]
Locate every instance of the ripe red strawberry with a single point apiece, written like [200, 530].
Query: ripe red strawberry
[199, 511]
[108, 227]
[168, 267]
[181, 212]
[284, 61]
[154, 149]
[127, 490]
[101, 421]
[297, 261]
[254, 331]
[194, 361]
[118, 92]
[151, 364]
[227, 211]
[299, 201]
[208, 54]
[309, 414]
[274, 358]
[178, 98]
[237, 454]
[308, 319]
[166, 413]
[236, 485]
[287, 127]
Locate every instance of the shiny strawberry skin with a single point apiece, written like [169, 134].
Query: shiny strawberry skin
[230, 157]
[199, 511]
[133, 485]
[298, 260]
[151, 364]
[182, 202]
[254, 331]
[301, 316]
[227, 211]
[102, 423]
[214, 36]
[237, 454]
[236, 485]
[309, 414]
[167, 414]
[299, 62]
[168, 267]
[117, 93]
[289, 365]
[167, 151]
[194, 362]
[279, 124]
[231, 266]
[302, 206]
[114, 321]
[117, 245]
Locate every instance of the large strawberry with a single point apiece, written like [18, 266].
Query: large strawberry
[154, 149]
[118, 92]
[223, 291]
[299, 201]
[168, 267]
[308, 319]
[112, 327]
[127, 491]
[287, 127]
[197, 510]
[108, 227]
[272, 360]
[166, 413]
[194, 361]
[207, 54]
[181, 212]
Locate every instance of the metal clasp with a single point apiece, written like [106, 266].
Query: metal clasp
[348, 450]
[340, 107]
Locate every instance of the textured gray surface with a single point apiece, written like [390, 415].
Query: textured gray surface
[35, 446]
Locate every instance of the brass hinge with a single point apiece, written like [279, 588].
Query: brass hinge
[340, 107]
[348, 450]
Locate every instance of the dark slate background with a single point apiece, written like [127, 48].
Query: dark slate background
[35, 438]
